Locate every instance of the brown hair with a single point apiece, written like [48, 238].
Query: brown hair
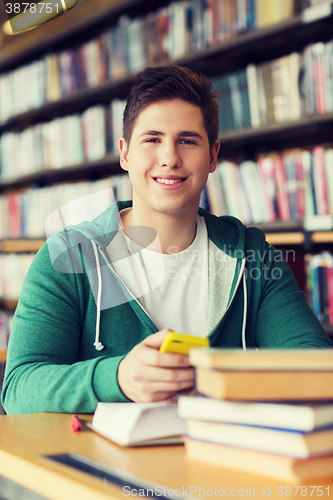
[162, 83]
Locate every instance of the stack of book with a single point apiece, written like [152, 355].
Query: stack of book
[266, 412]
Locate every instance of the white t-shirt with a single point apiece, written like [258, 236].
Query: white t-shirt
[174, 288]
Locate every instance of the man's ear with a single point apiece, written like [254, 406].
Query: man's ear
[213, 156]
[123, 150]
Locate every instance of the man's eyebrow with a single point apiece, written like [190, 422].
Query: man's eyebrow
[190, 133]
[183, 133]
[151, 132]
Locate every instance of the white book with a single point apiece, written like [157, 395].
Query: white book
[329, 178]
[295, 63]
[229, 181]
[254, 191]
[283, 442]
[251, 72]
[284, 415]
[138, 424]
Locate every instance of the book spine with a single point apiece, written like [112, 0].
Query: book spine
[324, 314]
[282, 197]
[301, 205]
[266, 171]
[319, 180]
[330, 288]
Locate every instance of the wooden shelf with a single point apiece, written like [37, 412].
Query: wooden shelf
[322, 237]
[280, 226]
[292, 233]
[280, 239]
[21, 246]
[3, 355]
[276, 238]
[109, 165]
[305, 132]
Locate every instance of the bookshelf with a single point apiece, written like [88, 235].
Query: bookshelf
[18, 246]
[277, 238]
[251, 47]
[108, 165]
[235, 144]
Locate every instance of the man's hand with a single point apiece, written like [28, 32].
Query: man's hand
[147, 375]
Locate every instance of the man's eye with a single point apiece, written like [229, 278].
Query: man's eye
[187, 141]
[153, 139]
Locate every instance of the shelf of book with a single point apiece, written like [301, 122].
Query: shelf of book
[258, 44]
[298, 238]
[245, 143]
[106, 166]
[280, 238]
[20, 246]
[84, 24]
[322, 237]
[254, 47]
[305, 132]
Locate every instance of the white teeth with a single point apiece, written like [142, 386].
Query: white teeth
[168, 181]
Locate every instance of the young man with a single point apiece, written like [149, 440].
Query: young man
[100, 297]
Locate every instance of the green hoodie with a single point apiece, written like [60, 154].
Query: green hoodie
[76, 319]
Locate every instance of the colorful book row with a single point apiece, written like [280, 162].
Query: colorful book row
[319, 283]
[62, 142]
[256, 96]
[40, 212]
[292, 185]
[278, 91]
[166, 34]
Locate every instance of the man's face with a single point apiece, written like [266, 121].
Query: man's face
[169, 158]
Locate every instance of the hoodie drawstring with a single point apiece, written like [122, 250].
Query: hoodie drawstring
[244, 312]
[98, 345]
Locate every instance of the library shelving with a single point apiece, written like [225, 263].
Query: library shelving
[278, 237]
[106, 166]
[256, 46]
[19, 246]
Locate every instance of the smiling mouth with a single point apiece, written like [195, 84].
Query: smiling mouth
[169, 181]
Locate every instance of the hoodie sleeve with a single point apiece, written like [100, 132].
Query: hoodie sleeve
[285, 319]
[43, 373]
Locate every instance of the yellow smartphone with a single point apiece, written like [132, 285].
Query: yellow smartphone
[181, 343]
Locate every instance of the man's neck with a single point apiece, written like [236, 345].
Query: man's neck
[175, 233]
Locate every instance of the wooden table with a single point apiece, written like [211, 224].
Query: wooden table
[25, 439]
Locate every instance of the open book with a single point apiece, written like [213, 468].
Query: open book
[138, 424]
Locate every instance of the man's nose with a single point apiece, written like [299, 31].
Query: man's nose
[169, 156]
